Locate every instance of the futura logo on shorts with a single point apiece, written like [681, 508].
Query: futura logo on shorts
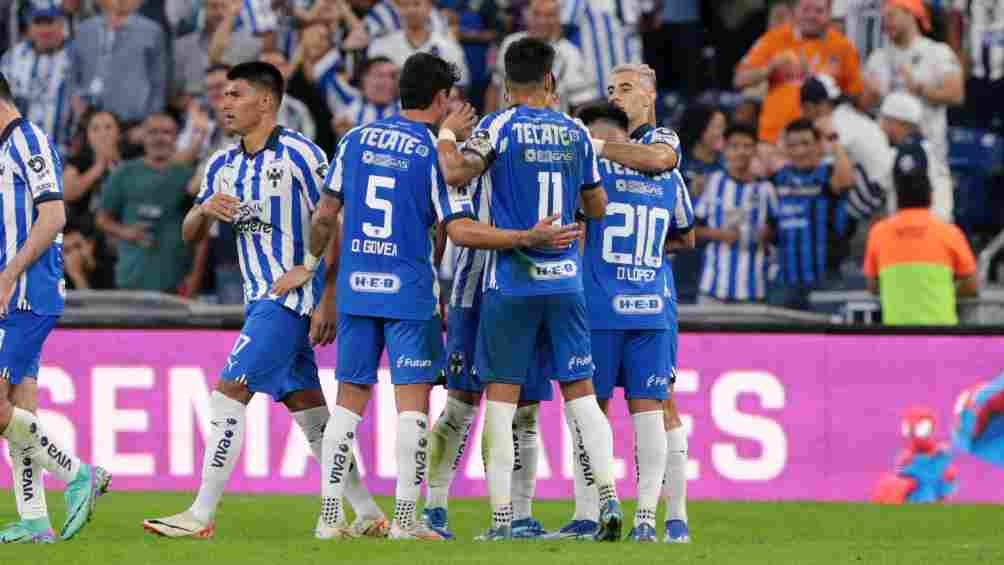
[409, 363]
[577, 362]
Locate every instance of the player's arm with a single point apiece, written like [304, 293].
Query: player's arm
[594, 202]
[324, 321]
[650, 158]
[715, 234]
[683, 220]
[467, 232]
[462, 166]
[209, 204]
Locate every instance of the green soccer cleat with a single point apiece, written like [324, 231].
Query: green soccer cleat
[38, 530]
[81, 496]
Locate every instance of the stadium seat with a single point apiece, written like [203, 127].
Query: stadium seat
[975, 156]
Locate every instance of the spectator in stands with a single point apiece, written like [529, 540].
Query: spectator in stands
[478, 30]
[386, 17]
[83, 263]
[679, 34]
[119, 64]
[787, 55]
[927, 69]
[901, 118]
[376, 98]
[417, 36]
[201, 136]
[85, 172]
[293, 113]
[576, 81]
[732, 217]
[916, 262]
[318, 80]
[607, 34]
[861, 22]
[38, 70]
[212, 42]
[980, 23]
[701, 130]
[142, 206]
[809, 222]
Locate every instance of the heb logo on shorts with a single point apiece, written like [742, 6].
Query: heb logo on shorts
[579, 362]
[640, 304]
[380, 283]
[409, 363]
[554, 270]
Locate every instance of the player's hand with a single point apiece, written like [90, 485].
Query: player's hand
[7, 285]
[547, 235]
[324, 323]
[223, 207]
[293, 279]
[461, 122]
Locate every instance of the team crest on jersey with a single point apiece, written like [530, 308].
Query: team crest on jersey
[274, 175]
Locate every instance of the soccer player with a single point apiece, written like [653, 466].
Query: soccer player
[539, 163]
[625, 280]
[387, 180]
[266, 185]
[31, 301]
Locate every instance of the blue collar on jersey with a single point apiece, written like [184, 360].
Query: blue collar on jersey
[641, 131]
[7, 131]
[271, 143]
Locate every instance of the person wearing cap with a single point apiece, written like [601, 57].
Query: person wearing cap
[859, 135]
[914, 261]
[927, 69]
[38, 70]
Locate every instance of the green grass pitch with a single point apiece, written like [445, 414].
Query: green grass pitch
[253, 529]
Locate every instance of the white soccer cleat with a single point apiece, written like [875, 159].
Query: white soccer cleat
[184, 525]
[363, 527]
[417, 532]
[339, 531]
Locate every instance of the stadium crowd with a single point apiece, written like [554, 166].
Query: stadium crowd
[873, 104]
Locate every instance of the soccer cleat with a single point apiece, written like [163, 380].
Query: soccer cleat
[577, 530]
[363, 527]
[643, 533]
[611, 521]
[81, 497]
[184, 525]
[437, 520]
[417, 532]
[503, 533]
[528, 528]
[28, 531]
[339, 531]
[677, 532]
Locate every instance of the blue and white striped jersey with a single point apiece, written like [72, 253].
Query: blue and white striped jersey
[470, 263]
[40, 83]
[393, 192]
[538, 161]
[360, 112]
[735, 271]
[279, 188]
[625, 265]
[337, 91]
[257, 16]
[31, 173]
[606, 31]
[384, 18]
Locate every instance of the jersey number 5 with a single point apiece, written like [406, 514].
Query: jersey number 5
[386, 227]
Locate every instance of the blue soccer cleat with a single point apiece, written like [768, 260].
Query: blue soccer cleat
[643, 533]
[677, 532]
[81, 496]
[528, 528]
[437, 520]
[577, 530]
[28, 531]
[503, 533]
[611, 522]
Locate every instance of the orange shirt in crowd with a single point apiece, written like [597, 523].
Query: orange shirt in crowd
[832, 54]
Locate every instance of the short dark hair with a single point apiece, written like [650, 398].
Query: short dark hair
[528, 61]
[260, 75]
[741, 128]
[423, 77]
[6, 94]
[603, 111]
[802, 124]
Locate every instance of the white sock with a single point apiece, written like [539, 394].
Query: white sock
[412, 465]
[29, 490]
[223, 448]
[598, 441]
[25, 430]
[337, 460]
[498, 453]
[587, 502]
[524, 471]
[446, 446]
[313, 421]
[650, 455]
[674, 486]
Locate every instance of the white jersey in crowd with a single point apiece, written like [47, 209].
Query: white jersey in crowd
[862, 21]
[384, 18]
[40, 84]
[279, 188]
[865, 142]
[984, 36]
[930, 63]
[396, 47]
[576, 80]
[607, 34]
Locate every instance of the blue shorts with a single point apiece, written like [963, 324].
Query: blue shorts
[414, 348]
[22, 335]
[639, 361]
[513, 327]
[461, 337]
[273, 353]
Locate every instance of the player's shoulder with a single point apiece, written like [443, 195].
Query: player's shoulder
[498, 118]
[297, 142]
[30, 140]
